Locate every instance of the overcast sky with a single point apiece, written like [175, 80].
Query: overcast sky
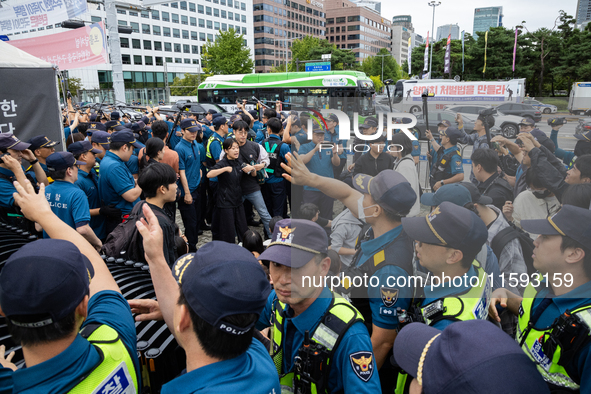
[537, 13]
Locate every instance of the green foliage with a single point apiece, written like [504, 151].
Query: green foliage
[74, 84]
[191, 80]
[227, 55]
[312, 48]
[373, 66]
[377, 83]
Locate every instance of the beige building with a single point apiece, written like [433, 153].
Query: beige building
[278, 22]
[359, 29]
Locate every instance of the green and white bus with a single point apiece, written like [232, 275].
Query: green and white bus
[347, 91]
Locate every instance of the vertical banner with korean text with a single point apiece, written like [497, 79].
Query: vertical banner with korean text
[85, 46]
[447, 59]
[409, 58]
[463, 37]
[18, 16]
[485, 46]
[426, 62]
[515, 50]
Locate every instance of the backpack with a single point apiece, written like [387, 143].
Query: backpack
[125, 240]
[510, 233]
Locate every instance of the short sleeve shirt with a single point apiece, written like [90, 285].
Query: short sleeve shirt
[190, 162]
[320, 164]
[69, 203]
[115, 179]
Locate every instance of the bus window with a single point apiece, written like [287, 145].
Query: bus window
[318, 98]
[225, 96]
[269, 96]
[343, 99]
[294, 99]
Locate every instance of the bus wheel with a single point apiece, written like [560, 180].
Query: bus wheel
[415, 109]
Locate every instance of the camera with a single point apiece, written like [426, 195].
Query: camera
[556, 121]
[487, 117]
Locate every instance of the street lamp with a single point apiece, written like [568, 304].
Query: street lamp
[285, 40]
[382, 56]
[432, 4]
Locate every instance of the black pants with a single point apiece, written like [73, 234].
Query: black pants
[204, 199]
[321, 200]
[190, 213]
[295, 193]
[227, 223]
[213, 188]
[275, 195]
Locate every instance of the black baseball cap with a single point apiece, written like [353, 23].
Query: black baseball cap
[61, 160]
[9, 141]
[448, 225]
[254, 114]
[570, 221]
[475, 195]
[125, 135]
[445, 123]
[219, 121]
[47, 278]
[222, 280]
[102, 138]
[332, 117]
[453, 193]
[527, 122]
[95, 126]
[467, 357]
[295, 242]
[389, 189]
[453, 133]
[80, 147]
[111, 124]
[191, 125]
[212, 111]
[41, 141]
[584, 137]
[115, 115]
[138, 126]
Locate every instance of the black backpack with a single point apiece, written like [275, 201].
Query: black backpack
[510, 233]
[125, 240]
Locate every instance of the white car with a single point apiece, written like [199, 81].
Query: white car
[544, 108]
[509, 124]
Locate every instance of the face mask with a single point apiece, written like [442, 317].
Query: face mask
[361, 209]
[541, 194]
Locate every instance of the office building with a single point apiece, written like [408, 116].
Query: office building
[485, 18]
[167, 41]
[583, 13]
[446, 30]
[359, 29]
[416, 40]
[400, 36]
[278, 22]
[374, 5]
[403, 20]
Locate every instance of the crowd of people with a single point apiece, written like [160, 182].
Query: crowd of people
[485, 291]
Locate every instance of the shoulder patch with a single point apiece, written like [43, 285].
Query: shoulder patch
[389, 296]
[458, 162]
[362, 364]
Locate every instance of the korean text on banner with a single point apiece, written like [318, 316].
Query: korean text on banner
[85, 46]
[23, 16]
[447, 60]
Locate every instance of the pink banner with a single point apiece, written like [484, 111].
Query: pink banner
[85, 46]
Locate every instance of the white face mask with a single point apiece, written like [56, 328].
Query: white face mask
[361, 209]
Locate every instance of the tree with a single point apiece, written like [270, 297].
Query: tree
[377, 83]
[373, 66]
[74, 85]
[190, 80]
[227, 55]
[312, 48]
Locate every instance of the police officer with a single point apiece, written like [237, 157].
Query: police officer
[66, 311]
[384, 251]
[92, 127]
[116, 117]
[332, 136]
[67, 200]
[88, 182]
[190, 177]
[211, 303]
[42, 147]
[447, 242]
[12, 147]
[213, 150]
[448, 167]
[100, 142]
[316, 335]
[117, 187]
[555, 315]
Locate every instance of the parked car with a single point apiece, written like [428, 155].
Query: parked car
[202, 108]
[545, 108]
[584, 126]
[508, 124]
[522, 110]
[435, 117]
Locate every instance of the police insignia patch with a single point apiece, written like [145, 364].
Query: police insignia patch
[362, 364]
[389, 296]
[458, 162]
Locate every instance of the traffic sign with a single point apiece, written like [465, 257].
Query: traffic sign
[320, 66]
[4, 38]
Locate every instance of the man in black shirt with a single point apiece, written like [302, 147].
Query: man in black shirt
[376, 160]
[484, 167]
[158, 182]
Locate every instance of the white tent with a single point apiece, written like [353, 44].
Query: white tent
[11, 56]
